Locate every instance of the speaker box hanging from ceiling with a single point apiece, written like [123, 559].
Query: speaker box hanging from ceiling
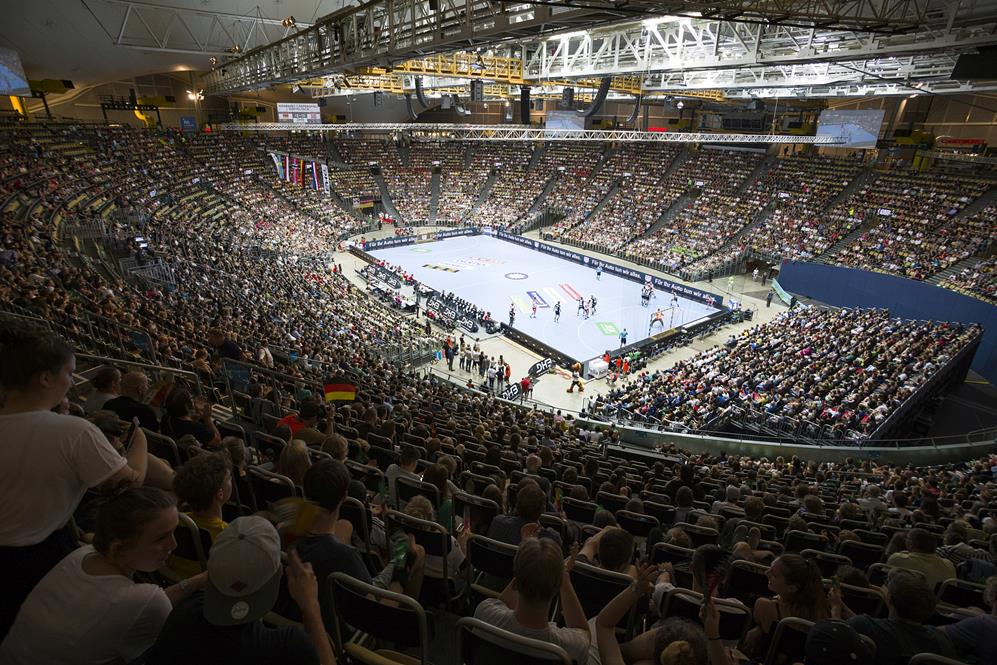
[379, 98]
[567, 98]
[477, 91]
[408, 106]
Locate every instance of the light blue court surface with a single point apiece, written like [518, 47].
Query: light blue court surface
[494, 274]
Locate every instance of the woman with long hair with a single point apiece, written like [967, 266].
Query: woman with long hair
[799, 592]
[47, 460]
[87, 609]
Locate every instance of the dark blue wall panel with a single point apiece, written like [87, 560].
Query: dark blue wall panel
[906, 298]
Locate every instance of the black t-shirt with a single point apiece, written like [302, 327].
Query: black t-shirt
[189, 639]
[127, 408]
[899, 639]
[176, 428]
[327, 556]
[229, 349]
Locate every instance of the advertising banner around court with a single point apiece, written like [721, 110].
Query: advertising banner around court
[611, 268]
[511, 392]
[386, 276]
[388, 242]
[542, 367]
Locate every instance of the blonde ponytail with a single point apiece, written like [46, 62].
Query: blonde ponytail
[678, 652]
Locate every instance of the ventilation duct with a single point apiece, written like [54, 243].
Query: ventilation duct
[600, 98]
[524, 104]
[408, 106]
[419, 94]
[633, 114]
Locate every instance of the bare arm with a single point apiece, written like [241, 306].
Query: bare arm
[614, 611]
[178, 592]
[303, 586]
[571, 608]
[138, 455]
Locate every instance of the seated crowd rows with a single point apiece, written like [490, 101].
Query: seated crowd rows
[849, 369]
[422, 496]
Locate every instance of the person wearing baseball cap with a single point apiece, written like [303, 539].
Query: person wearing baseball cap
[224, 623]
[834, 642]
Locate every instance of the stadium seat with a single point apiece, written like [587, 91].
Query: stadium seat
[595, 587]
[828, 563]
[491, 558]
[479, 643]
[436, 541]
[365, 608]
[863, 555]
[789, 638]
[747, 581]
[269, 487]
[735, 618]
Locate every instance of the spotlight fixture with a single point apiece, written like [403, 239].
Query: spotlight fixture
[289, 22]
[213, 60]
[235, 49]
[680, 105]
[195, 96]
[295, 88]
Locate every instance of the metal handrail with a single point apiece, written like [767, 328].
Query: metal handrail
[148, 367]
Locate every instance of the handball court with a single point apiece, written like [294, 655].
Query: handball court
[495, 274]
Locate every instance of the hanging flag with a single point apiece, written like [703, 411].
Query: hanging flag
[340, 391]
[315, 176]
[279, 164]
[287, 168]
[326, 185]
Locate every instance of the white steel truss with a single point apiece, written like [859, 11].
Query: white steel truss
[451, 131]
[678, 45]
[149, 27]
[384, 31]
[863, 90]
[380, 32]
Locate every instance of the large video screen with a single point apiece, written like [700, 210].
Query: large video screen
[564, 120]
[860, 128]
[12, 78]
[299, 114]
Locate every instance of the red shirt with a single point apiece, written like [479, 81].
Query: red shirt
[292, 422]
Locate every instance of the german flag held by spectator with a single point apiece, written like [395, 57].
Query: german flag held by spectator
[340, 391]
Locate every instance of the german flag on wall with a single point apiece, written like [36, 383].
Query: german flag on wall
[340, 391]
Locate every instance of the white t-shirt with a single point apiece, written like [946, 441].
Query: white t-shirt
[79, 618]
[47, 462]
[573, 640]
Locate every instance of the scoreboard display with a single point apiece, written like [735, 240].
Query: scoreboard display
[299, 114]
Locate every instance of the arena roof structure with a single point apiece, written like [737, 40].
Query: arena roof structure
[736, 49]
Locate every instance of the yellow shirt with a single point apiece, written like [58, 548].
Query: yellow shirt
[185, 567]
[936, 569]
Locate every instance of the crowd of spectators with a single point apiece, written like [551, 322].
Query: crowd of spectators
[847, 369]
[801, 226]
[717, 213]
[413, 454]
[918, 230]
[696, 535]
[978, 280]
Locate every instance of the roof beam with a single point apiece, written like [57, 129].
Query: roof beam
[433, 131]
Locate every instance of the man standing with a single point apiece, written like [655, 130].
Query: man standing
[557, 311]
[768, 299]
[623, 338]
[598, 272]
[491, 377]
[581, 306]
[512, 314]
[533, 310]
